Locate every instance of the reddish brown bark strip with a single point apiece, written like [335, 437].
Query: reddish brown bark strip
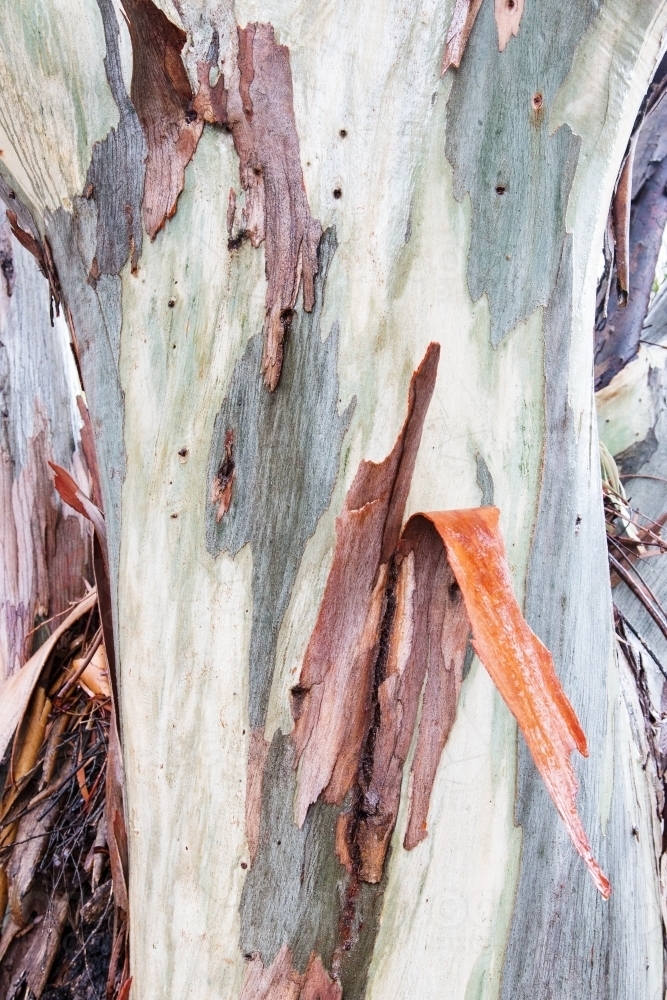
[440, 639]
[620, 214]
[333, 699]
[460, 26]
[259, 111]
[162, 97]
[281, 981]
[258, 751]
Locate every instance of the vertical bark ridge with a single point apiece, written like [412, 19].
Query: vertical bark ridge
[115, 179]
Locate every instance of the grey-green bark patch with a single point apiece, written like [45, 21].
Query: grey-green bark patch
[565, 939]
[286, 456]
[518, 176]
[294, 890]
[116, 174]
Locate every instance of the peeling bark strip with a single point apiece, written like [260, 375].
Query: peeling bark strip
[333, 699]
[395, 618]
[460, 26]
[259, 110]
[42, 254]
[620, 214]
[44, 549]
[115, 178]
[162, 96]
[519, 664]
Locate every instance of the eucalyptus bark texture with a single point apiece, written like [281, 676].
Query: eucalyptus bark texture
[258, 216]
[43, 546]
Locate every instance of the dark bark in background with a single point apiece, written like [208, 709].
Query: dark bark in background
[44, 549]
[617, 335]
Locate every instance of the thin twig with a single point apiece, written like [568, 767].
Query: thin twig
[636, 590]
[643, 642]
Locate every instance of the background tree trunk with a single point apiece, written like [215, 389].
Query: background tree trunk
[467, 211]
[43, 546]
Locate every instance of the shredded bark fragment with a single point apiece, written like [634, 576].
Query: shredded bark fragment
[335, 685]
[519, 665]
[460, 26]
[258, 109]
[281, 981]
[162, 96]
[394, 622]
[508, 15]
[41, 251]
[620, 214]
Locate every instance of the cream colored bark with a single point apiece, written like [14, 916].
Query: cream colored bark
[397, 282]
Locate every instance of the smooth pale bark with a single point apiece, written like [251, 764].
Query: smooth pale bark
[43, 547]
[463, 217]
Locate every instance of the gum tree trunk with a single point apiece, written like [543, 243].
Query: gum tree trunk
[245, 344]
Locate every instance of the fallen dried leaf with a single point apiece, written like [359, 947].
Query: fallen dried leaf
[17, 689]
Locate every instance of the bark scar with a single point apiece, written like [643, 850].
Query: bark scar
[223, 481]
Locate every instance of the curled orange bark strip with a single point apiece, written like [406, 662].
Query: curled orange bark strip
[519, 664]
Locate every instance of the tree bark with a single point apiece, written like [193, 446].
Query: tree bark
[43, 546]
[466, 211]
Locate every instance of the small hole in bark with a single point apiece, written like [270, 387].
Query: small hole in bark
[191, 115]
[171, 303]
[244, 865]
[500, 189]
[257, 171]
[174, 516]
[511, 4]
[454, 590]
[538, 100]
[337, 193]
[183, 452]
[343, 133]
[173, 347]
